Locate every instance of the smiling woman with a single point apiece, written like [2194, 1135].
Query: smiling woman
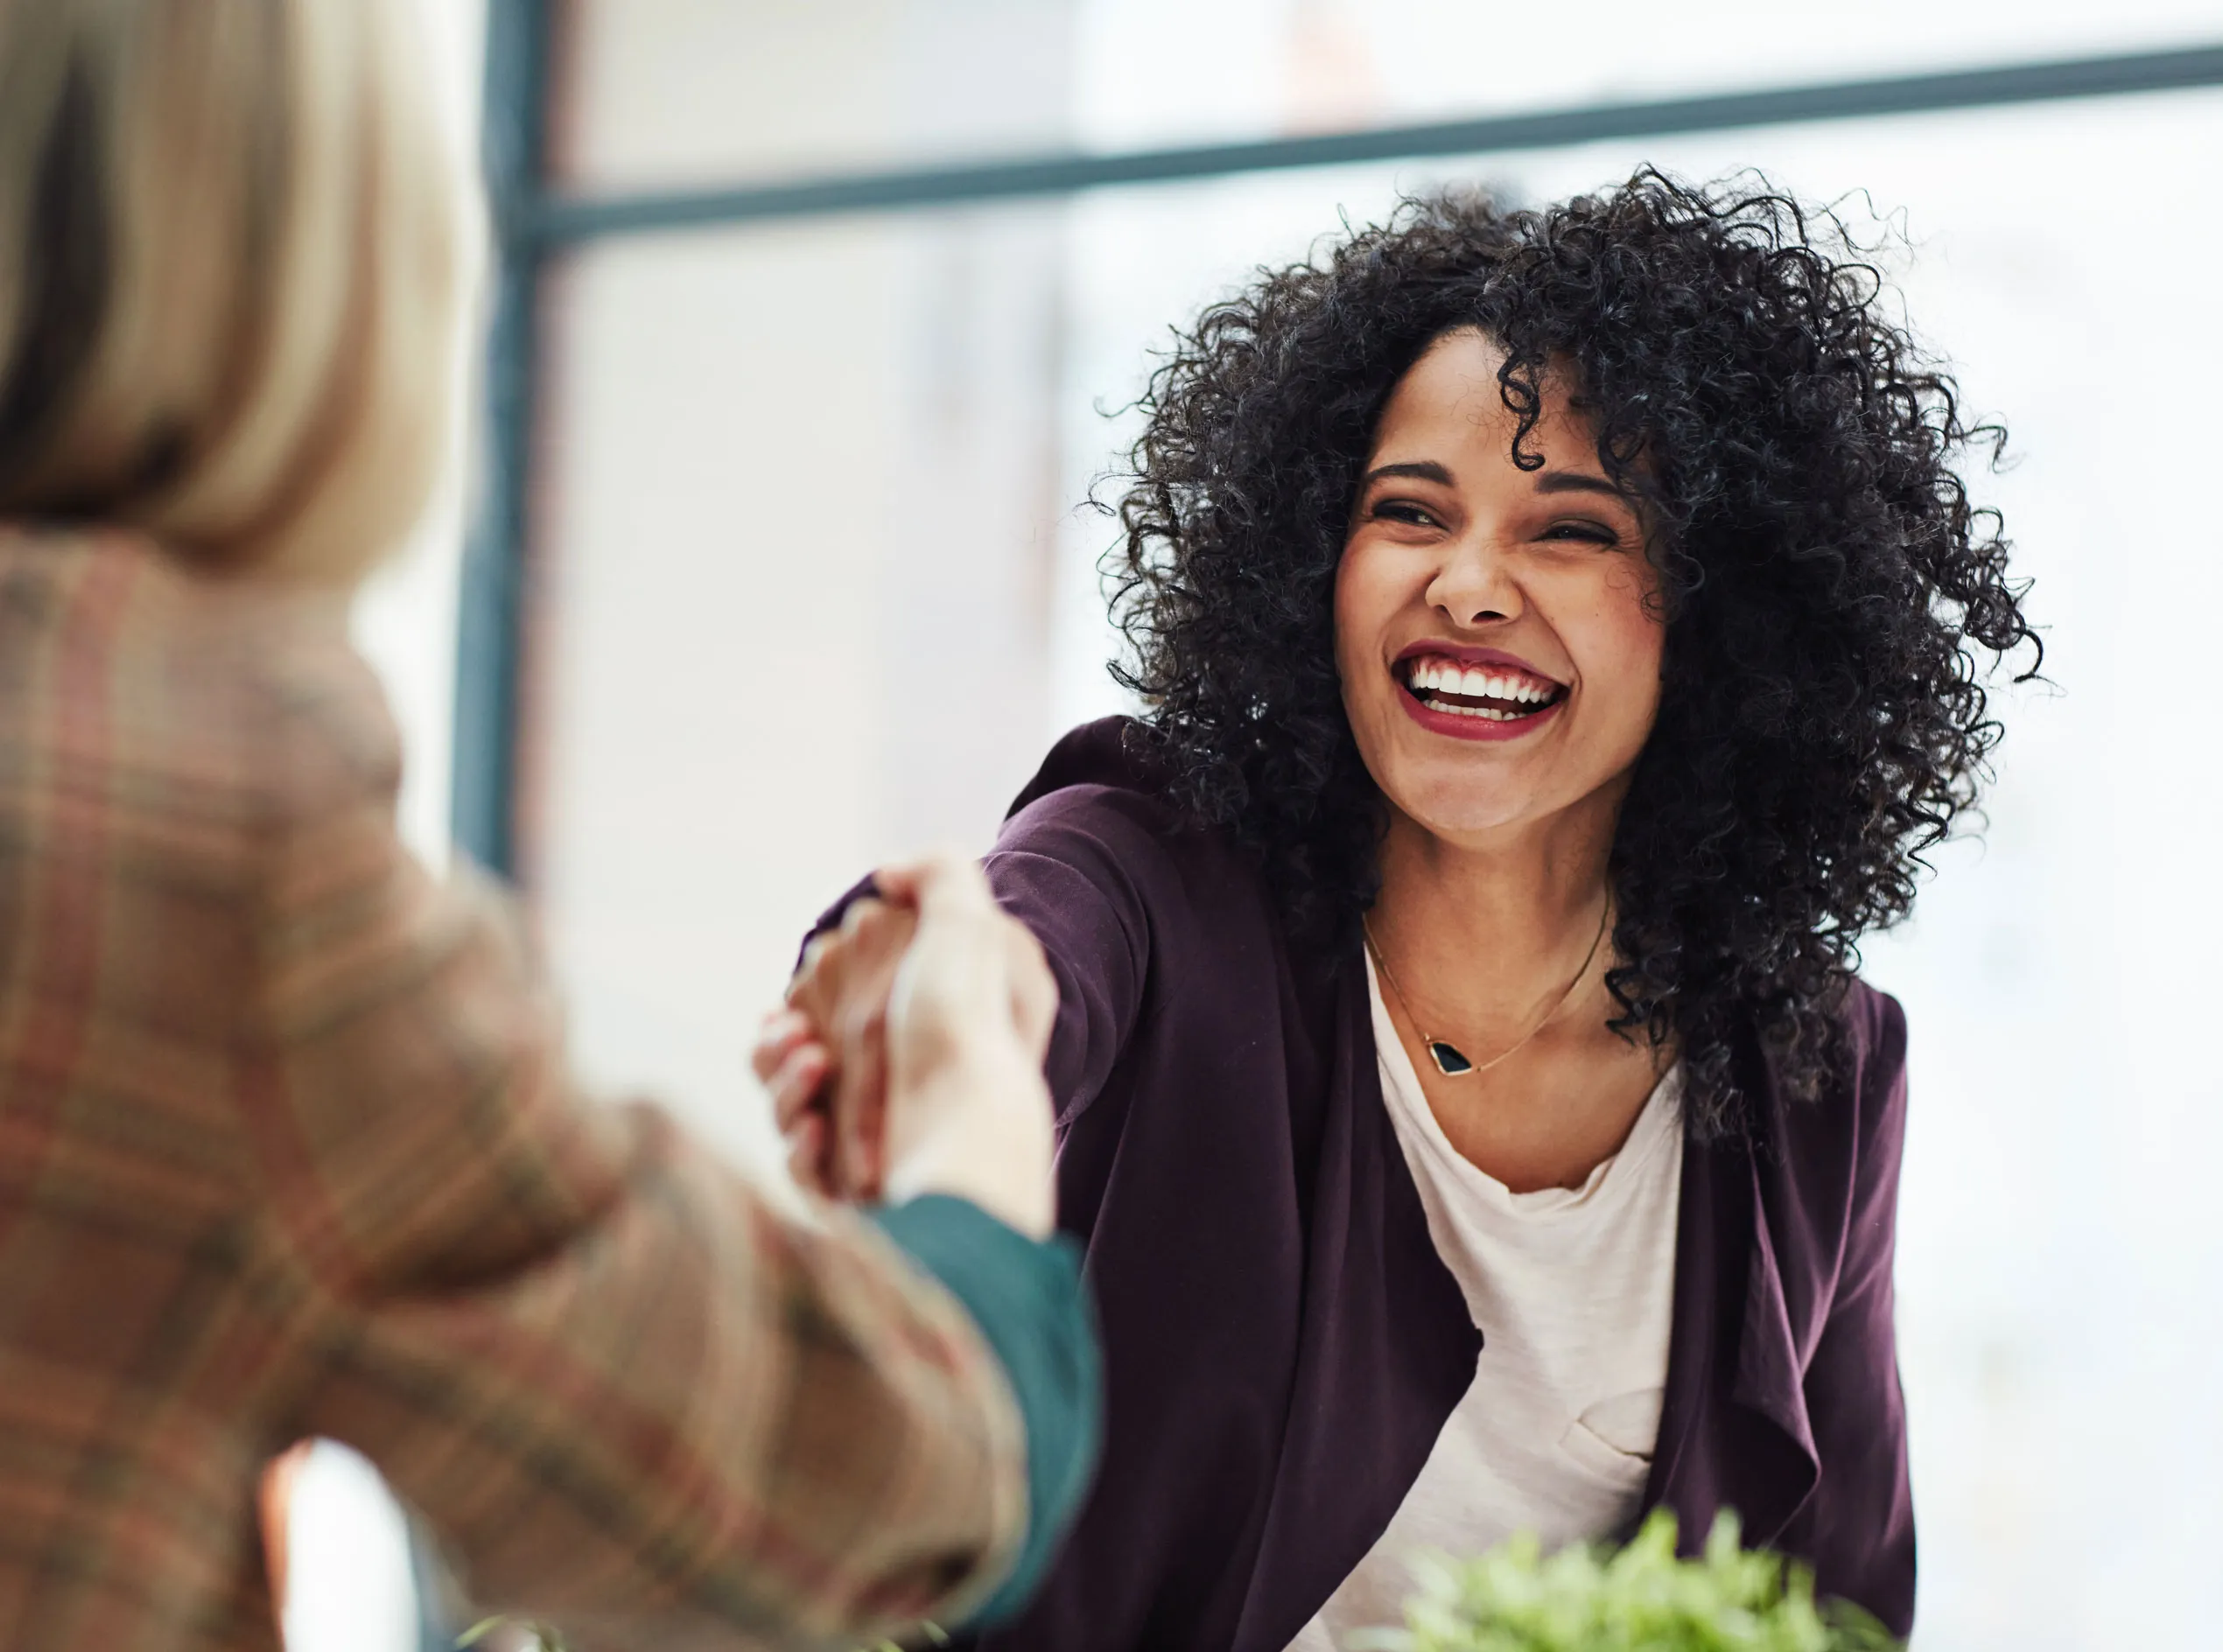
[1455, 557]
[1560, 632]
[1728, 365]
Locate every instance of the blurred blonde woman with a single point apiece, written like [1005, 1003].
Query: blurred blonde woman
[287, 1147]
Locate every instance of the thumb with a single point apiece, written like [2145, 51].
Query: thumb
[944, 881]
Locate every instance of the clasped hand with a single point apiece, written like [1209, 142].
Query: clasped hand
[907, 1058]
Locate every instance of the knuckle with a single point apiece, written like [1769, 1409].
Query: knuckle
[812, 968]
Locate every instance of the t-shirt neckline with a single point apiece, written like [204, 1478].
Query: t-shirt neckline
[1408, 1106]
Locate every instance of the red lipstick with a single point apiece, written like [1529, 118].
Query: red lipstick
[1467, 693]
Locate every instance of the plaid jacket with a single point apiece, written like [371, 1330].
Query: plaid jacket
[287, 1148]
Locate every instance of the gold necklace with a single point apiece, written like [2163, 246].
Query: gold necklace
[1448, 1057]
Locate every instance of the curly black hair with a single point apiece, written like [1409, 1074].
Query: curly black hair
[1826, 581]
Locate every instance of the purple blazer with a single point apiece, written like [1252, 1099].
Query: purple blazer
[1282, 1344]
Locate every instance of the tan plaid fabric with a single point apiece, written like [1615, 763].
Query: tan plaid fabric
[287, 1148]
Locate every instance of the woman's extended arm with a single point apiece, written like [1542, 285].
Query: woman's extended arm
[632, 1397]
[1068, 883]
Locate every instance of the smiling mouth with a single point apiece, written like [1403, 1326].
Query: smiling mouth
[1495, 694]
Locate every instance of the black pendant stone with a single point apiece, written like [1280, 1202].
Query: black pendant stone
[1448, 1060]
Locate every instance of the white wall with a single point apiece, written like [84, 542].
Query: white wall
[799, 509]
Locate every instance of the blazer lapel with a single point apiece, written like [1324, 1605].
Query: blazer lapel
[1771, 1478]
[1734, 1432]
[1387, 1351]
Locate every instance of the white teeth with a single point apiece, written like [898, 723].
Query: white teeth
[1439, 675]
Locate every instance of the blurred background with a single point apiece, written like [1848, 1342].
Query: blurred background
[775, 567]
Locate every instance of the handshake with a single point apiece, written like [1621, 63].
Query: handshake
[907, 1059]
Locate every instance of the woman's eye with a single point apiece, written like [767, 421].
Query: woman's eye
[1402, 510]
[1589, 533]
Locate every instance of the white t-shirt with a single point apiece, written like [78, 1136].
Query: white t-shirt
[1573, 1291]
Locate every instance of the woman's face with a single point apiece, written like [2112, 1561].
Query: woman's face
[1494, 627]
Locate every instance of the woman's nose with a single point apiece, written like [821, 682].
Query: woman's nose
[1476, 586]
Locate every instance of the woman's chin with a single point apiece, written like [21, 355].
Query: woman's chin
[1463, 810]
[1503, 801]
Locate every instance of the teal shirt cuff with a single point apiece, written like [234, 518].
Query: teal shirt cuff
[1033, 1309]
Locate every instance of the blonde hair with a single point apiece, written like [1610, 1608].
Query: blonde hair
[236, 247]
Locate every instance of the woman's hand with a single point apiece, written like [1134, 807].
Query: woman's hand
[824, 1057]
[792, 1061]
[908, 1060]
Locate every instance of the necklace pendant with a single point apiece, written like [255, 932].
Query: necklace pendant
[1448, 1060]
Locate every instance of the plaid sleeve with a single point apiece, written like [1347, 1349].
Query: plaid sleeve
[631, 1398]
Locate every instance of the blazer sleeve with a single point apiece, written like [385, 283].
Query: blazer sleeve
[631, 1396]
[1862, 1514]
[1071, 868]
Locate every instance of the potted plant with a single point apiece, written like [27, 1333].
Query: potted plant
[1641, 1598]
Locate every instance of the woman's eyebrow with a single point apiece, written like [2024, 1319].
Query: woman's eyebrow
[1577, 482]
[1426, 470]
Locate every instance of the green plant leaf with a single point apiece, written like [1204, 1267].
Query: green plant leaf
[1642, 1598]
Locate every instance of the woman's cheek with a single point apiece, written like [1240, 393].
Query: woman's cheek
[1619, 651]
[1628, 615]
[1363, 609]
[1641, 685]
